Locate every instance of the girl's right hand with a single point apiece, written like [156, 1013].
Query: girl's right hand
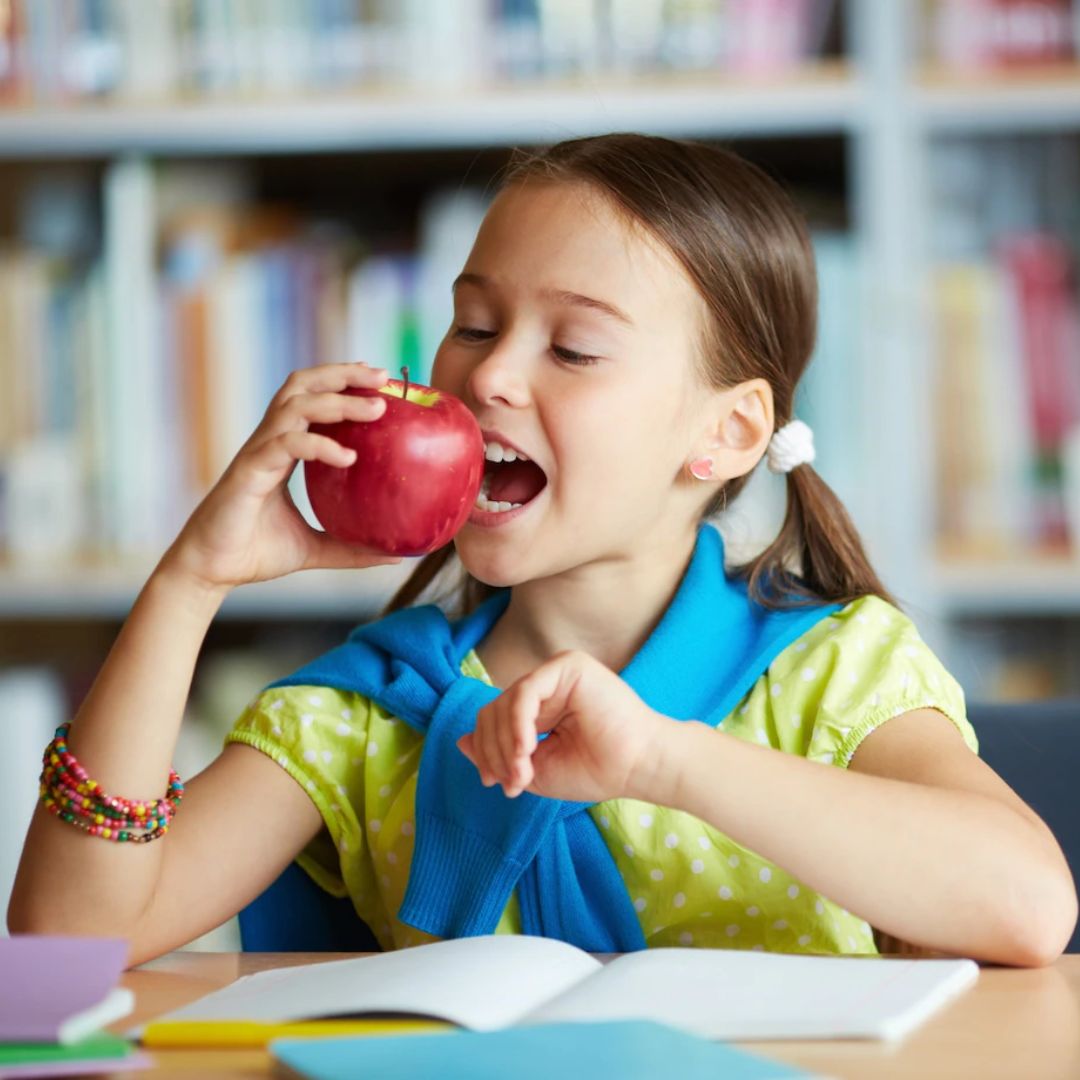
[247, 528]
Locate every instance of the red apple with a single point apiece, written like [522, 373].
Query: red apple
[416, 476]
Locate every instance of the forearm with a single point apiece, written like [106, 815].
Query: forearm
[953, 871]
[124, 734]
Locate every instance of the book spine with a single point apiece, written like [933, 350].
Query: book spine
[95, 417]
[1038, 270]
[991, 34]
[135, 357]
[766, 36]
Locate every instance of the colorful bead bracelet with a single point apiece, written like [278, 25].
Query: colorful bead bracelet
[68, 792]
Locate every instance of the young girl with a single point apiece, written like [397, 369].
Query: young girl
[617, 740]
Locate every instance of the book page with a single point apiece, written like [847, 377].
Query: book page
[736, 994]
[481, 983]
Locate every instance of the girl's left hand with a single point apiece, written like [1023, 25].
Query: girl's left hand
[604, 741]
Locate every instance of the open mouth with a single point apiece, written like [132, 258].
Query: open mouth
[509, 484]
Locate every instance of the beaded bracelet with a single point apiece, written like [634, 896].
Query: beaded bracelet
[68, 792]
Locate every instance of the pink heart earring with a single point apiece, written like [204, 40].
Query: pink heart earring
[702, 468]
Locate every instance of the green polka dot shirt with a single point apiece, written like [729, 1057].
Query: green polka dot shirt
[690, 884]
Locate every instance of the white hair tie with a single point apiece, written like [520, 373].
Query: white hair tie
[791, 446]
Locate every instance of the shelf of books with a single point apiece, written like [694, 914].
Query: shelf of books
[83, 78]
[1003, 297]
[145, 242]
[136, 374]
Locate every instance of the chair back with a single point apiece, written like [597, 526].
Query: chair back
[293, 914]
[1035, 748]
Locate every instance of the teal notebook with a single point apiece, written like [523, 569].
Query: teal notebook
[623, 1049]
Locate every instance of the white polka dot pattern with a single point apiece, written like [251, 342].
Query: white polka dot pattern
[690, 884]
[818, 699]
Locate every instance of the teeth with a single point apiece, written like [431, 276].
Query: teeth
[494, 507]
[498, 452]
[485, 504]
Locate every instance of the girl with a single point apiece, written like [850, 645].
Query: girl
[617, 740]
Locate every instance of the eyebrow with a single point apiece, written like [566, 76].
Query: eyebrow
[558, 296]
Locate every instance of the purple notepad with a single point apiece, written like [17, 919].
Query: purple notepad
[46, 979]
[136, 1060]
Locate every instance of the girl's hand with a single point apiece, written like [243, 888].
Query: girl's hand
[604, 741]
[247, 528]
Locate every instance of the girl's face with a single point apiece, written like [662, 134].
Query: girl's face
[573, 338]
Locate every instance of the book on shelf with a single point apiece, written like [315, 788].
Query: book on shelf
[57, 51]
[1000, 35]
[1008, 397]
[139, 374]
[477, 983]
[982, 485]
[136, 377]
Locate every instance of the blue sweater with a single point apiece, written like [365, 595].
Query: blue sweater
[473, 845]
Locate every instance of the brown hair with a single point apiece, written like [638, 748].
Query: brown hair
[746, 247]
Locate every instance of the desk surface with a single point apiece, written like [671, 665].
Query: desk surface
[1015, 1022]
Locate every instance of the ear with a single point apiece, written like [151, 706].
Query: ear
[741, 428]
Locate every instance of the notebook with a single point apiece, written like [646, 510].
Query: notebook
[95, 1054]
[501, 980]
[60, 989]
[629, 1049]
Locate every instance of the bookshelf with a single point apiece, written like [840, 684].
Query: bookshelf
[874, 102]
[859, 134]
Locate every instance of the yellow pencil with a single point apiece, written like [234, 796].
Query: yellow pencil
[258, 1033]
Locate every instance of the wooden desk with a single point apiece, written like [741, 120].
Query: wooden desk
[1015, 1023]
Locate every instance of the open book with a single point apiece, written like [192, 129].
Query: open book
[496, 981]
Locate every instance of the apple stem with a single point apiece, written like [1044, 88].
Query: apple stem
[405, 376]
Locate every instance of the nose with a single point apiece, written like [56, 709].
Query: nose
[499, 378]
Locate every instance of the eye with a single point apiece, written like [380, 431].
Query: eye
[573, 357]
[467, 333]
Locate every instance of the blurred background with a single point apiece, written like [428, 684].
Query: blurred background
[197, 196]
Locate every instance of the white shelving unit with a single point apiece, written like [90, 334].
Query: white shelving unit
[1048, 100]
[107, 592]
[884, 105]
[1050, 588]
[826, 97]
